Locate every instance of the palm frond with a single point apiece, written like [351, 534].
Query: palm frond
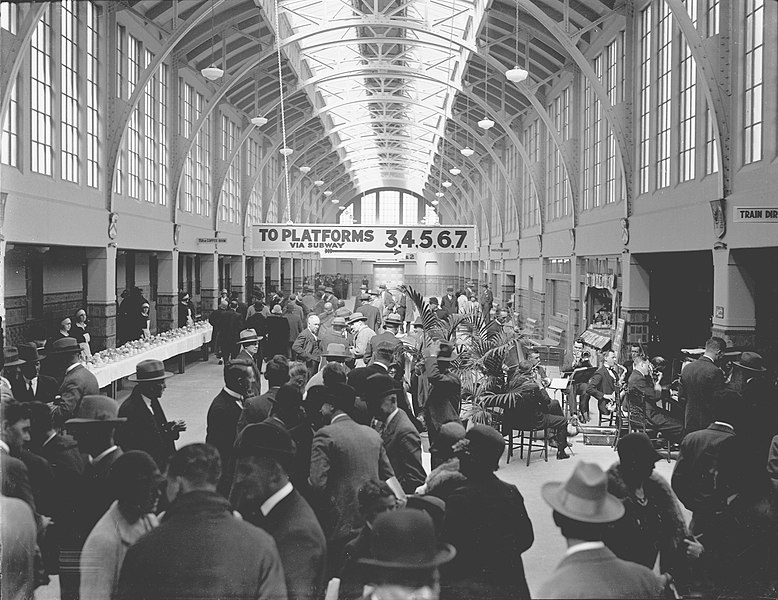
[430, 321]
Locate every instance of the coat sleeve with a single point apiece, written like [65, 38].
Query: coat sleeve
[300, 347]
[410, 450]
[130, 577]
[320, 461]
[70, 394]
[271, 584]
[385, 470]
[99, 566]
[594, 385]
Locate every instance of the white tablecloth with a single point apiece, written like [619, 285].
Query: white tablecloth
[113, 372]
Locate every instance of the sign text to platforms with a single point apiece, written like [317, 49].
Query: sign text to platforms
[343, 239]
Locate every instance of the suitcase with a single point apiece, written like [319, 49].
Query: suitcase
[598, 436]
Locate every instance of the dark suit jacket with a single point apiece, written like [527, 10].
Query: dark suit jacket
[257, 409]
[45, 391]
[96, 495]
[487, 523]
[386, 337]
[230, 326]
[443, 398]
[450, 304]
[601, 383]
[146, 431]
[222, 425]
[344, 456]
[16, 479]
[699, 380]
[201, 550]
[277, 341]
[244, 354]
[307, 348]
[403, 447]
[597, 573]
[301, 546]
[373, 316]
[77, 383]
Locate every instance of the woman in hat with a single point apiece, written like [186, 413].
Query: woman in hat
[139, 322]
[65, 326]
[653, 524]
[79, 331]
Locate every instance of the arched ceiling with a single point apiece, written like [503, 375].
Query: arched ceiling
[386, 80]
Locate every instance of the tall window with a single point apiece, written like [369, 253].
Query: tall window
[121, 68]
[69, 109]
[410, 209]
[645, 100]
[185, 129]
[688, 101]
[253, 215]
[134, 50]
[203, 159]
[149, 134]
[389, 206]
[752, 99]
[614, 78]
[557, 186]
[664, 94]
[368, 216]
[530, 211]
[597, 139]
[230, 193]
[10, 143]
[40, 96]
[586, 167]
[162, 100]
[8, 16]
[712, 18]
[711, 144]
[92, 96]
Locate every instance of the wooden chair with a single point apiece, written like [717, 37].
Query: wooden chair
[636, 421]
[513, 421]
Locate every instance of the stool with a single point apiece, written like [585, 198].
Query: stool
[532, 444]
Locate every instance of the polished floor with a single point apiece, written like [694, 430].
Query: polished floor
[189, 395]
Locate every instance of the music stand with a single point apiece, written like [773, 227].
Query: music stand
[579, 375]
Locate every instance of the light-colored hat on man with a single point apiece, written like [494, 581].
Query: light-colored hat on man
[584, 496]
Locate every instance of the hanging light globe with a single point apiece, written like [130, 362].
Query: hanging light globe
[486, 124]
[305, 170]
[212, 73]
[454, 171]
[259, 121]
[335, 201]
[439, 194]
[446, 184]
[516, 74]
[435, 202]
[328, 193]
[467, 151]
[318, 183]
[286, 151]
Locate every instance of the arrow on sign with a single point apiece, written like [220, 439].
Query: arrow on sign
[331, 251]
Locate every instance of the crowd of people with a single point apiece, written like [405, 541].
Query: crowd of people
[317, 488]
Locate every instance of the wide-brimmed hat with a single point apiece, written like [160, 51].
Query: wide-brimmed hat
[357, 316]
[328, 289]
[335, 351]
[378, 386]
[636, 447]
[339, 322]
[248, 336]
[150, 370]
[393, 319]
[264, 439]
[405, 540]
[96, 409]
[446, 352]
[28, 352]
[66, 345]
[751, 361]
[485, 445]
[342, 311]
[276, 310]
[449, 434]
[11, 357]
[584, 496]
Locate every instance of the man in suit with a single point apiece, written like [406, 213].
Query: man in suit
[362, 334]
[344, 455]
[603, 384]
[265, 497]
[449, 301]
[32, 386]
[147, 428]
[699, 381]
[486, 521]
[248, 341]
[641, 382]
[230, 326]
[440, 313]
[257, 408]
[392, 325]
[277, 341]
[307, 347]
[77, 383]
[201, 550]
[445, 389]
[401, 439]
[224, 412]
[373, 318]
[485, 301]
[336, 334]
[14, 434]
[583, 510]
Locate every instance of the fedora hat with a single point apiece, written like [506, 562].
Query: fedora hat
[382, 286]
[446, 352]
[66, 345]
[150, 370]
[751, 361]
[248, 336]
[357, 316]
[328, 289]
[11, 357]
[342, 311]
[337, 351]
[28, 352]
[339, 321]
[393, 319]
[264, 439]
[584, 496]
[364, 296]
[97, 409]
[485, 445]
[378, 386]
[405, 539]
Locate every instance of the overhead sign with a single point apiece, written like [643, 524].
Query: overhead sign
[332, 240]
[212, 240]
[756, 214]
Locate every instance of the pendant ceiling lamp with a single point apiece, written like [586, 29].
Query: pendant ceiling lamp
[454, 171]
[258, 121]
[435, 202]
[486, 123]
[446, 184]
[286, 151]
[212, 73]
[439, 194]
[318, 183]
[467, 152]
[328, 193]
[305, 170]
[335, 201]
[517, 74]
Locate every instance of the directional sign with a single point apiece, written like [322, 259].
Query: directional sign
[332, 240]
[760, 214]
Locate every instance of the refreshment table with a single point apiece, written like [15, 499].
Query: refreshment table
[109, 366]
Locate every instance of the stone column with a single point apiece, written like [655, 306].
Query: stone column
[275, 271]
[209, 283]
[286, 274]
[167, 290]
[734, 309]
[574, 321]
[101, 297]
[259, 273]
[297, 277]
[635, 302]
[238, 284]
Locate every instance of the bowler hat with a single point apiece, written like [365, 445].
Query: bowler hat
[276, 310]
[150, 370]
[11, 357]
[432, 505]
[378, 386]
[393, 319]
[130, 470]
[248, 336]
[342, 396]
[335, 351]
[584, 496]
[95, 408]
[66, 345]
[342, 311]
[450, 433]
[264, 439]
[485, 445]
[636, 447]
[446, 352]
[751, 361]
[338, 322]
[405, 540]
[357, 316]
[28, 352]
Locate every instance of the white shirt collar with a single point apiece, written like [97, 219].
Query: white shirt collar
[5, 447]
[103, 454]
[724, 424]
[271, 502]
[336, 417]
[229, 392]
[51, 437]
[391, 416]
[71, 367]
[382, 365]
[583, 546]
[147, 401]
